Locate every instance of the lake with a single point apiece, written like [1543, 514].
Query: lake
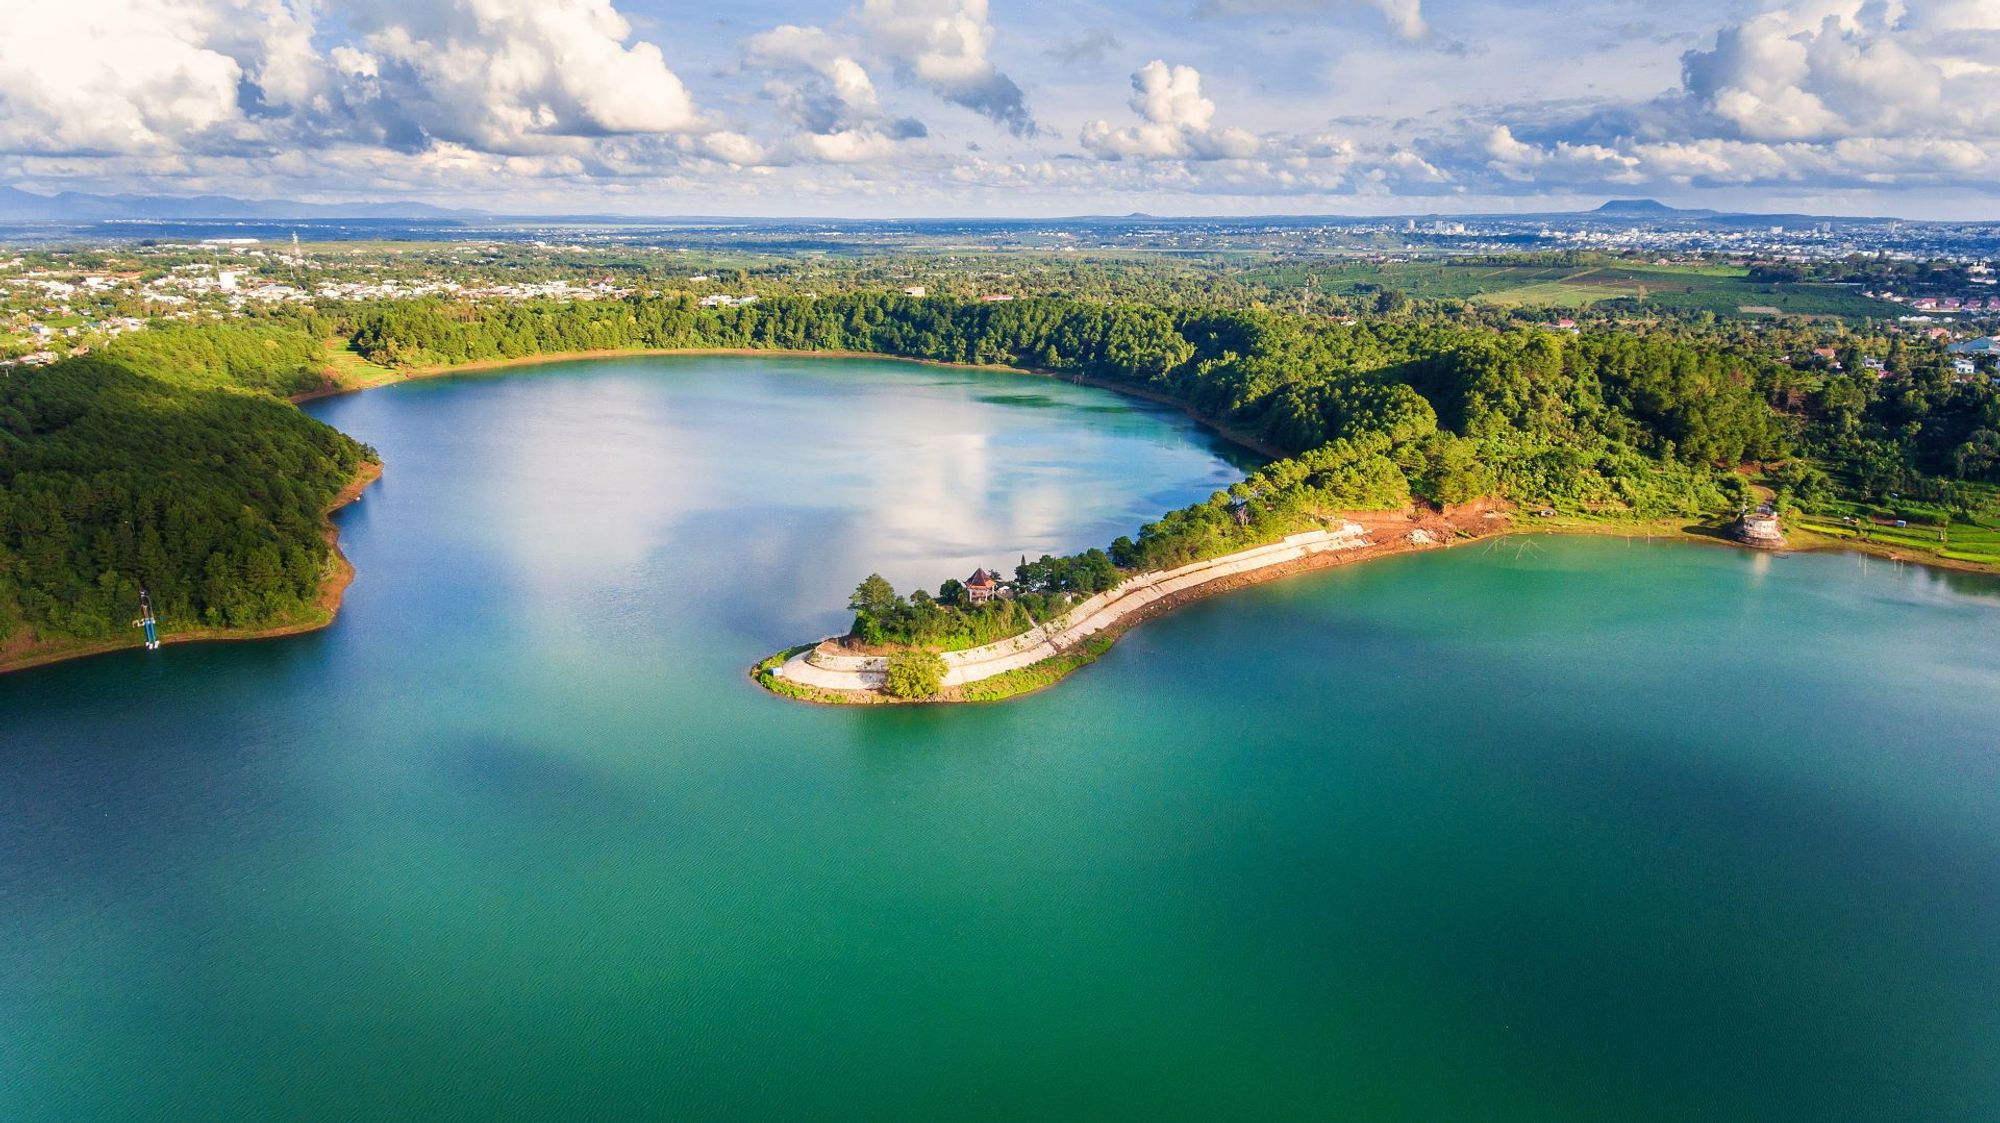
[1534, 828]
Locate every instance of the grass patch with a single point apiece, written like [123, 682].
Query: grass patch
[1027, 680]
[1974, 542]
[350, 371]
[1726, 291]
[1031, 678]
[764, 675]
[786, 688]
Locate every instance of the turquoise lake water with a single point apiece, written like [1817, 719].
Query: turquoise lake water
[1534, 829]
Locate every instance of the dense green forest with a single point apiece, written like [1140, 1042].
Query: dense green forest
[167, 462]
[1292, 384]
[1366, 414]
[168, 458]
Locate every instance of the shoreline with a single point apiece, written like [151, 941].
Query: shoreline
[1481, 522]
[1040, 676]
[334, 584]
[442, 370]
[1799, 540]
[1649, 528]
[325, 606]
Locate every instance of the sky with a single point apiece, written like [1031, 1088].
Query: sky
[918, 108]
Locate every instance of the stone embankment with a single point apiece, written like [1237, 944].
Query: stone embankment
[826, 667]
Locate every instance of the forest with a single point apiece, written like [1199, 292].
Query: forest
[171, 462]
[1289, 382]
[169, 459]
[1368, 414]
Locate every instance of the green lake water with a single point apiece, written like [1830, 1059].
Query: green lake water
[1534, 829]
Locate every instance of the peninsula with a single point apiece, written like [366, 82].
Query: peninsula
[174, 460]
[838, 670]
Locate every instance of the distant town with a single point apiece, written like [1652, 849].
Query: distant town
[68, 287]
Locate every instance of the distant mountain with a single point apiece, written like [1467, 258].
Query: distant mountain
[1642, 208]
[75, 206]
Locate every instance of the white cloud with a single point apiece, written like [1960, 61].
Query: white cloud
[813, 77]
[1176, 122]
[200, 76]
[732, 148]
[147, 82]
[1527, 163]
[826, 94]
[464, 99]
[1868, 92]
[1405, 16]
[943, 45]
[502, 75]
[1831, 71]
[848, 146]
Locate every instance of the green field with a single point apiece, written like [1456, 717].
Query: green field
[1724, 290]
[1976, 541]
[350, 371]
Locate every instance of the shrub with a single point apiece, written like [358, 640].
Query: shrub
[915, 674]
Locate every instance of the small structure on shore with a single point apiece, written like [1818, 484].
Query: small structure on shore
[981, 586]
[147, 622]
[1760, 530]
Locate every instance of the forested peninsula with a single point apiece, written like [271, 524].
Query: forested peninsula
[173, 461]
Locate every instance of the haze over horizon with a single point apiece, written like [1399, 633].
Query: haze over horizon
[1020, 108]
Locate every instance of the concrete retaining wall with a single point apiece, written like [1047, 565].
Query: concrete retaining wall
[831, 670]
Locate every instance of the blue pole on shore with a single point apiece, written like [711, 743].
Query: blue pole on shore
[146, 621]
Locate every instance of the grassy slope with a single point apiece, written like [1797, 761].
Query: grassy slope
[1974, 543]
[1723, 290]
[347, 370]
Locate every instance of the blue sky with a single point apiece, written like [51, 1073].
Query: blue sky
[1015, 107]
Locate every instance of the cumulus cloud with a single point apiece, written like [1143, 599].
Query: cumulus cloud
[1864, 92]
[942, 45]
[826, 94]
[1834, 71]
[1527, 163]
[733, 148]
[1176, 122]
[501, 75]
[149, 82]
[545, 98]
[197, 76]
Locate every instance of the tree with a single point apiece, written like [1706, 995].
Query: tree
[874, 596]
[915, 674]
[1977, 457]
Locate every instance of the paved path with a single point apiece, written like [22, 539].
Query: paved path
[828, 669]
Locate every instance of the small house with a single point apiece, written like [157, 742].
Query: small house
[1760, 530]
[981, 586]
